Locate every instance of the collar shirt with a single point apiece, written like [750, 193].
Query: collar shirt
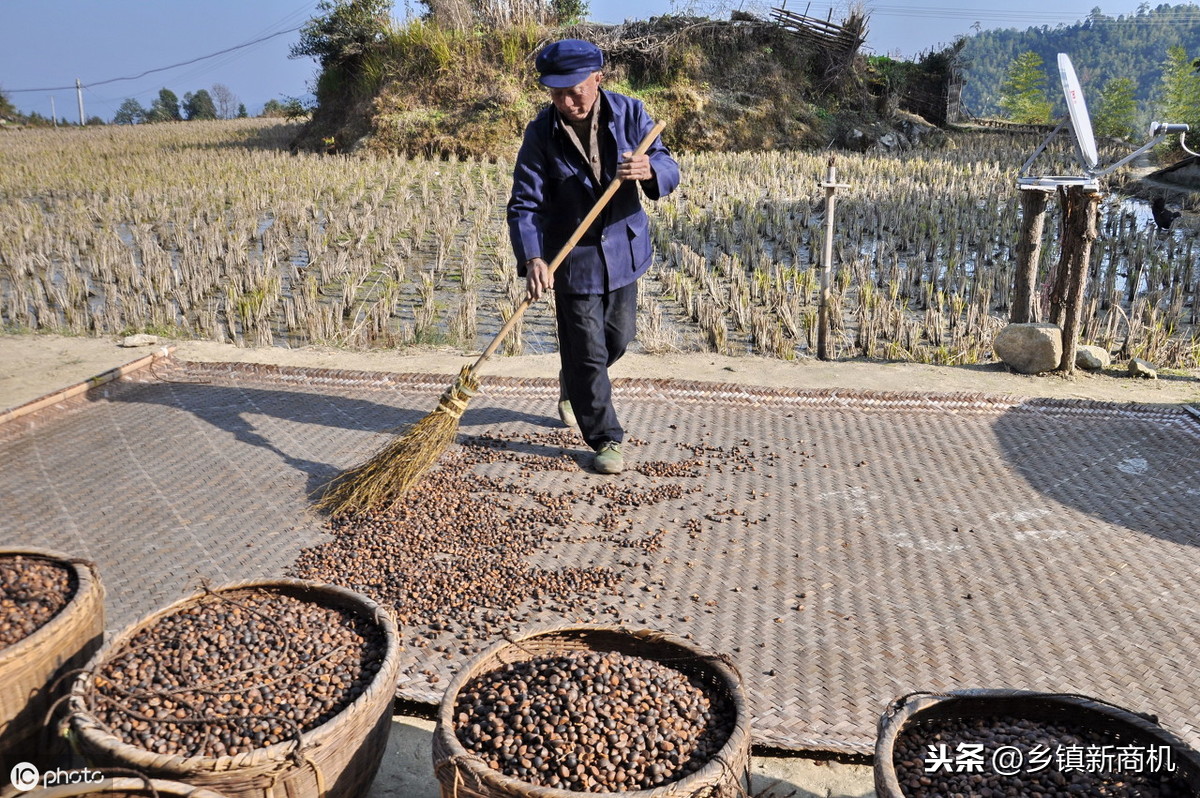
[590, 150]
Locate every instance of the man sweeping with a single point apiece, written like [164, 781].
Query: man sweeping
[571, 151]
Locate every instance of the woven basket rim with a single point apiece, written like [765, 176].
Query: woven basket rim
[165, 787]
[265, 759]
[904, 709]
[739, 737]
[87, 579]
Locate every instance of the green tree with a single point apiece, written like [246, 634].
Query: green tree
[242, 113]
[199, 106]
[1023, 91]
[1116, 109]
[7, 109]
[165, 108]
[569, 12]
[1180, 89]
[345, 32]
[289, 108]
[131, 112]
[1116, 46]
[294, 108]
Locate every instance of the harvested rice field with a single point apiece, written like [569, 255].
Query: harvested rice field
[214, 231]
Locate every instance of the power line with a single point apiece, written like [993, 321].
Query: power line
[163, 69]
[301, 12]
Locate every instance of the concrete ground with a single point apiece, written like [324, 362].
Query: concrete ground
[407, 770]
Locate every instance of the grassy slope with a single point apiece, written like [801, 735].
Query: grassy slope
[725, 86]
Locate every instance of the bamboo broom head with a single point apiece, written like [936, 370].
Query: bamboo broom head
[391, 472]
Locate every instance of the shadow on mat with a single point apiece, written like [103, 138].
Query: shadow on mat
[232, 408]
[1135, 471]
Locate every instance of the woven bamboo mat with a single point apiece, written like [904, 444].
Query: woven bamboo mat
[842, 548]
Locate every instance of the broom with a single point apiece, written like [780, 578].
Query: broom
[399, 465]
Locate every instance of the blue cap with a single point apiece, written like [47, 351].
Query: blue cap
[568, 63]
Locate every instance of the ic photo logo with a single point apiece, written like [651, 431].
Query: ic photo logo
[24, 776]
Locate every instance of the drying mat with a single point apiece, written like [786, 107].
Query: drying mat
[844, 549]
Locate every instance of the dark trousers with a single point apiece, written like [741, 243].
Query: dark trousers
[593, 332]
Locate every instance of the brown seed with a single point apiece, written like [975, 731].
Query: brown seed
[184, 669]
[585, 703]
[32, 591]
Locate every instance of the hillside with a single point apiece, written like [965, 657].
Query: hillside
[735, 85]
[1101, 47]
[729, 85]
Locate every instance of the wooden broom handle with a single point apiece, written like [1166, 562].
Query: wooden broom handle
[567, 247]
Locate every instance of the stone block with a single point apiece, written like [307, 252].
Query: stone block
[1030, 348]
[1092, 358]
[1142, 368]
[141, 339]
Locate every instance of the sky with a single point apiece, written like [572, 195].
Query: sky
[46, 45]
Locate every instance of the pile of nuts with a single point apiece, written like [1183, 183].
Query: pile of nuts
[235, 671]
[592, 722]
[32, 591]
[460, 544]
[461, 560]
[1038, 775]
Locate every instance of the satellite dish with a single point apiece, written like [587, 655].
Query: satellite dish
[1081, 123]
[1085, 141]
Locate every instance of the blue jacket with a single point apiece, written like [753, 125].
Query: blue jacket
[553, 190]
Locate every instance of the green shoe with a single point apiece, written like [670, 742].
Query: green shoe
[566, 414]
[608, 458]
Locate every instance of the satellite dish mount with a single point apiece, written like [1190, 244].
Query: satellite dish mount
[1085, 141]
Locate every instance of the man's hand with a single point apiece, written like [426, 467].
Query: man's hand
[634, 167]
[537, 278]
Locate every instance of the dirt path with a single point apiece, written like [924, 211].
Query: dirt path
[32, 366]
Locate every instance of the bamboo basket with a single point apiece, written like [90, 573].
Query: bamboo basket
[1067, 709]
[461, 774]
[127, 787]
[337, 759]
[30, 668]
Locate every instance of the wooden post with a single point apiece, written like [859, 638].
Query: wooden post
[1029, 253]
[1060, 275]
[1080, 212]
[831, 186]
